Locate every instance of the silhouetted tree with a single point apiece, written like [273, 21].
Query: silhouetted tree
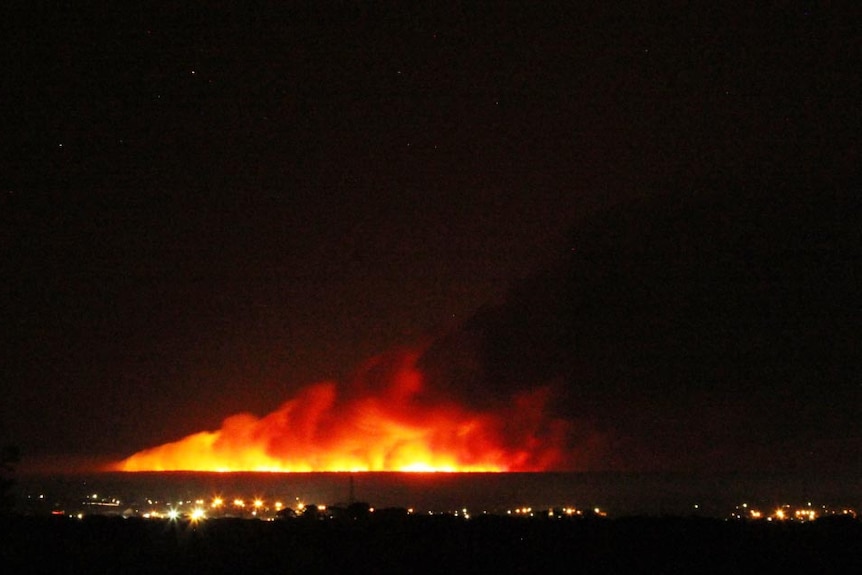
[358, 510]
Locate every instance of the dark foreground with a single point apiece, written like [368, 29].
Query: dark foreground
[427, 544]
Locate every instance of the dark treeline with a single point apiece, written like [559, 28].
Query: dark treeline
[428, 544]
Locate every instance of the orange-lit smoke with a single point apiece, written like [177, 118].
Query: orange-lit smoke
[388, 424]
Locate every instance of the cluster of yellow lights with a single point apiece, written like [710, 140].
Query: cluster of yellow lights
[216, 504]
[563, 512]
[783, 513]
[787, 513]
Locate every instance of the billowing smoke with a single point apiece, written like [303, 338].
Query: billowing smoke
[670, 332]
[385, 419]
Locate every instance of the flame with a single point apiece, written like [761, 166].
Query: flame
[383, 424]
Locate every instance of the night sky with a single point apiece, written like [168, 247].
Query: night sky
[206, 207]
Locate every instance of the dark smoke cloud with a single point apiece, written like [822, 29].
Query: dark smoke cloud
[712, 329]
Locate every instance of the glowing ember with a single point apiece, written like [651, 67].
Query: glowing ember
[387, 425]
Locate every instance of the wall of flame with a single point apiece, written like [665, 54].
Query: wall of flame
[383, 420]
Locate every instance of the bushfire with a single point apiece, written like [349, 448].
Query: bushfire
[385, 420]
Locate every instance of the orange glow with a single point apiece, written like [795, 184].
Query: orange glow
[376, 424]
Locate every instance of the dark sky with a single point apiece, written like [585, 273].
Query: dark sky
[205, 208]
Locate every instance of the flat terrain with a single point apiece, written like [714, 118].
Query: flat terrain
[428, 544]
